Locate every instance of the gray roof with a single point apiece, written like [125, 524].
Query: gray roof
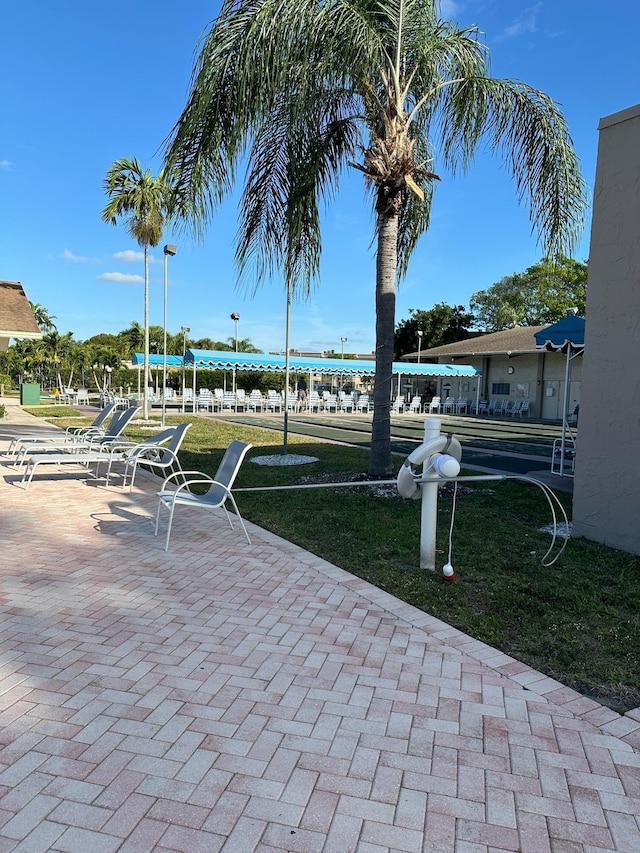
[16, 316]
[510, 341]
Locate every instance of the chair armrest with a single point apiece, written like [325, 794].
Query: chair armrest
[198, 477]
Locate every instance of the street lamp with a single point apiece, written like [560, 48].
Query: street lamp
[169, 249]
[235, 317]
[420, 334]
[185, 330]
[342, 342]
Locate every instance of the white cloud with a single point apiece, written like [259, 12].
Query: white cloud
[449, 9]
[129, 257]
[121, 278]
[5, 164]
[69, 256]
[527, 22]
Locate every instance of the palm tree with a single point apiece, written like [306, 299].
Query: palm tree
[55, 350]
[308, 87]
[43, 318]
[145, 201]
[133, 338]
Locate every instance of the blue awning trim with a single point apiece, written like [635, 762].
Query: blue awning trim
[221, 360]
[559, 336]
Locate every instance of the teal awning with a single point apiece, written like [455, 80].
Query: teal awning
[222, 360]
[157, 359]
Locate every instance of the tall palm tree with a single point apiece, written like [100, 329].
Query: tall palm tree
[145, 202]
[309, 87]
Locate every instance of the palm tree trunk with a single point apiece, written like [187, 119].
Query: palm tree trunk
[145, 398]
[380, 464]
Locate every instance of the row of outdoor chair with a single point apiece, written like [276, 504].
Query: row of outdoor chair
[105, 445]
[504, 408]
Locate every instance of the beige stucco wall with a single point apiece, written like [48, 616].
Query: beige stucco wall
[607, 481]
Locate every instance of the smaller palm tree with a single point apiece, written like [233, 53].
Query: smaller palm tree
[145, 202]
[43, 318]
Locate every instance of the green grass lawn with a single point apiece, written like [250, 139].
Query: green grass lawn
[577, 621]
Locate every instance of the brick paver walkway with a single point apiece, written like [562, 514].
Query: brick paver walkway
[226, 697]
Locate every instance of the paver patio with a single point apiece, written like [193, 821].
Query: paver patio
[226, 697]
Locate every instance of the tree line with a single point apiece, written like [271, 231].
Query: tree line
[541, 294]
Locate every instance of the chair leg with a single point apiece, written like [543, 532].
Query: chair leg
[240, 519]
[166, 544]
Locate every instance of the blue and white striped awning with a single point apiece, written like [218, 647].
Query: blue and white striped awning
[221, 360]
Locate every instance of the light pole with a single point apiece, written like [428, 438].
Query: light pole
[343, 341]
[185, 330]
[169, 249]
[235, 317]
[420, 334]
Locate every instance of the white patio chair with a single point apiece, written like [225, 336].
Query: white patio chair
[435, 406]
[346, 402]
[363, 404]
[398, 404]
[314, 403]
[161, 456]
[274, 401]
[255, 401]
[217, 495]
[415, 406]
[241, 399]
[205, 400]
[229, 401]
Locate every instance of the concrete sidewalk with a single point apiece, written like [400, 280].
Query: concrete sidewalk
[226, 697]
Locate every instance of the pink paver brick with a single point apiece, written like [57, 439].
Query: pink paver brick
[226, 697]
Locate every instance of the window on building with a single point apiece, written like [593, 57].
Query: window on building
[498, 388]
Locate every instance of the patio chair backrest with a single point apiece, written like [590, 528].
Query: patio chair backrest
[176, 439]
[118, 423]
[227, 471]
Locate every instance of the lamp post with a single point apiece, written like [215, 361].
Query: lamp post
[169, 249]
[185, 330]
[343, 341]
[235, 317]
[420, 334]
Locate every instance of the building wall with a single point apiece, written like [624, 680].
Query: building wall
[533, 374]
[607, 481]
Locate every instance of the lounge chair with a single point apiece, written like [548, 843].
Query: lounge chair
[76, 444]
[60, 436]
[218, 493]
[74, 454]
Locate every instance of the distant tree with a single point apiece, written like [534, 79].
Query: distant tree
[133, 338]
[442, 324]
[244, 345]
[55, 350]
[541, 294]
[43, 318]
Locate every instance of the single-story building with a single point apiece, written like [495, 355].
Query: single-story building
[513, 368]
[16, 316]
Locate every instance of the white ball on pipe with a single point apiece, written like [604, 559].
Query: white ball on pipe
[446, 466]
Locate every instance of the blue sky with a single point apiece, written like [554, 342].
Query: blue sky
[86, 83]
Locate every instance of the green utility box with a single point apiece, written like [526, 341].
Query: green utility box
[30, 394]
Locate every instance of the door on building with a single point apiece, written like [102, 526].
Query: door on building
[552, 400]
